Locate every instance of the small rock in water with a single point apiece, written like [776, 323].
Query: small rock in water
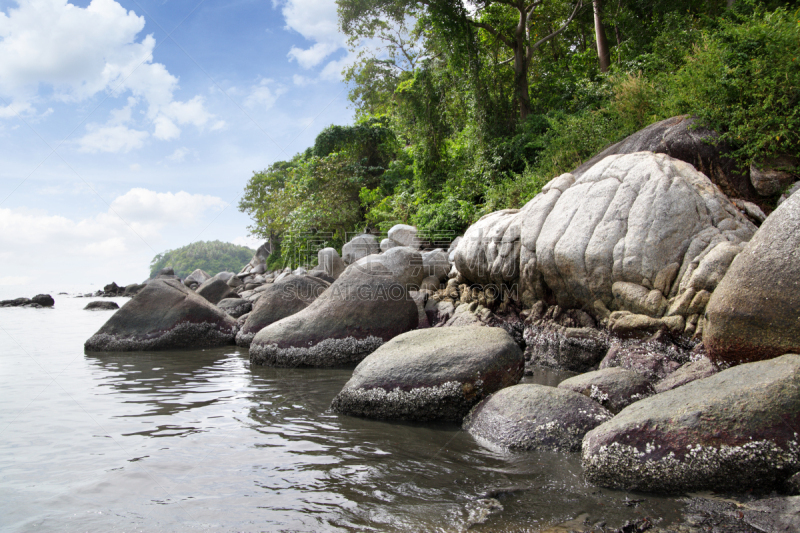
[101, 306]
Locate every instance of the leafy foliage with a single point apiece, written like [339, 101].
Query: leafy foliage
[211, 256]
[439, 138]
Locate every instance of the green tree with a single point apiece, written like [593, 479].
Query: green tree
[211, 256]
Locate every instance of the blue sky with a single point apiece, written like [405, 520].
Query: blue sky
[131, 127]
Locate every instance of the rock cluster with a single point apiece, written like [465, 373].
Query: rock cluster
[37, 302]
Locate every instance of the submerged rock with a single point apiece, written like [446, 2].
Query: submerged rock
[529, 417]
[350, 320]
[164, 315]
[736, 430]
[431, 374]
[753, 313]
[283, 298]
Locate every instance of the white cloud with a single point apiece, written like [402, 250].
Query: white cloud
[317, 21]
[249, 241]
[262, 96]
[166, 130]
[179, 154]
[301, 81]
[136, 167]
[311, 57]
[111, 139]
[136, 216]
[51, 49]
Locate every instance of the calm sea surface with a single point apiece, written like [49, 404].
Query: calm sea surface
[200, 440]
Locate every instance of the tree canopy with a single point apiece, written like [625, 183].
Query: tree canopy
[469, 106]
[211, 256]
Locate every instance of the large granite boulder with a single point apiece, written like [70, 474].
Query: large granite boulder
[350, 320]
[681, 138]
[489, 250]
[360, 246]
[614, 388]
[217, 289]
[736, 430]
[403, 264]
[404, 235]
[754, 313]
[283, 298]
[164, 315]
[432, 374]
[530, 417]
[642, 219]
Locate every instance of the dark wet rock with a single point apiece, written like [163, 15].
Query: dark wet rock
[681, 138]
[736, 430]
[577, 349]
[101, 306]
[216, 289]
[132, 289]
[654, 358]
[350, 320]
[163, 316]
[112, 289]
[280, 299]
[691, 371]
[613, 388]
[431, 374]
[529, 417]
[16, 302]
[774, 515]
[753, 313]
[235, 307]
[45, 300]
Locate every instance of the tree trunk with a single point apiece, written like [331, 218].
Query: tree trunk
[600, 37]
[521, 66]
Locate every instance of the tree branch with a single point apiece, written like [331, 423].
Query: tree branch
[543, 40]
[492, 31]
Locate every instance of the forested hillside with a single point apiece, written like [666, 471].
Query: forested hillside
[470, 107]
[211, 256]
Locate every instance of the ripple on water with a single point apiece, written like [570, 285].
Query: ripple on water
[187, 440]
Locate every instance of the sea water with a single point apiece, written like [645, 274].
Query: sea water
[199, 440]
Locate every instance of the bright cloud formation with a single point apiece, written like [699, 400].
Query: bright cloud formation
[134, 221]
[317, 21]
[50, 49]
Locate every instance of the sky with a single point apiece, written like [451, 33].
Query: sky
[130, 127]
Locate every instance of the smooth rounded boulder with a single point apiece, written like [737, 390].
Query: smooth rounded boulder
[283, 298]
[401, 263]
[614, 388]
[754, 313]
[358, 247]
[432, 374]
[531, 417]
[350, 320]
[736, 430]
[164, 315]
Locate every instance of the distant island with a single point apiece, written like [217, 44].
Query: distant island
[211, 256]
